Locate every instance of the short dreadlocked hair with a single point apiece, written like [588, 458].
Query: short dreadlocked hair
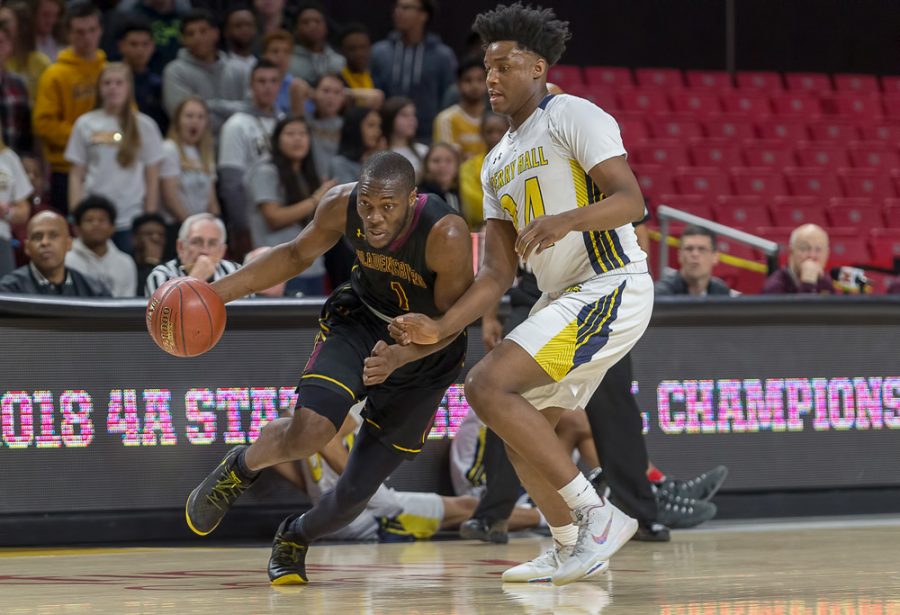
[534, 29]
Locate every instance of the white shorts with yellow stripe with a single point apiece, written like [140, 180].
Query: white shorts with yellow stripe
[577, 334]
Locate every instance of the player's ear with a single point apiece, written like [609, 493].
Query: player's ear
[412, 197]
[539, 69]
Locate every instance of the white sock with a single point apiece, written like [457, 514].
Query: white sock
[579, 493]
[567, 535]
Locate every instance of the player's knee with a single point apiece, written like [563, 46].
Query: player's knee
[309, 432]
[478, 390]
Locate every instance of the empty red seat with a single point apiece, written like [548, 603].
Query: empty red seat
[819, 154]
[565, 75]
[702, 180]
[609, 76]
[758, 181]
[668, 152]
[891, 102]
[884, 245]
[877, 154]
[767, 81]
[779, 234]
[695, 102]
[847, 248]
[603, 97]
[654, 179]
[794, 214]
[633, 129]
[749, 214]
[674, 126]
[862, 105]
[816, 83]
[857, 212]
[720, 153]
[892, 213]
[869, 183]
[668, 78]
[699, 205]
[796, 104]
[650, 101]
[834, 130]
[708, 79]
[812, 182]
[751, 103]
[890, 84]
[789, 129]
[773, 153]
[730, 126]
[881, 132]
[845, 82]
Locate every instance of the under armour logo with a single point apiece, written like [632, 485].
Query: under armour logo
[359, 232]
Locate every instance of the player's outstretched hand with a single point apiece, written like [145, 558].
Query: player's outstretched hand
[541, 234]
[380, 364]
[414, 329]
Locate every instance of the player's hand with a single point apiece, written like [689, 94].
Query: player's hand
[203, 268]
[414, 329]
[491, 332]
[541, 234]
[810, 271]
[380, 364]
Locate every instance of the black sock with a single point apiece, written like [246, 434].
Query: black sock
[245, 472]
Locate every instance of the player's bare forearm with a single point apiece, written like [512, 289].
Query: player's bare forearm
[614, 211]
[414, 352]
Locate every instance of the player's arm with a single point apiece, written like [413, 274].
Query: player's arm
[623, 204]
[292, 258]
[494, 278]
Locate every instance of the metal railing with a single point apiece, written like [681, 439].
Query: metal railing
[665, 213]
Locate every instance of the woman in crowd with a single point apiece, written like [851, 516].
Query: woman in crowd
[115, 152]
[399, 124]
[25, 60]
[360, 138]
[14, 208]
[188, 168]
[48, 26]
[442, 173]
[283, 191]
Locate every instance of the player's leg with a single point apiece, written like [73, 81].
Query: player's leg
[457, 509]
[369, 465]
[489, 521]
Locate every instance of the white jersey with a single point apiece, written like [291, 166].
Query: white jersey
[542, 169]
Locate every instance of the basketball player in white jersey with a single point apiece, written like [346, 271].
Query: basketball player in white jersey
[558, 192]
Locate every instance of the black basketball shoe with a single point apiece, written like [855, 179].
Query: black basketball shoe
[701, 487]
[207, 504]
[287, 564]
[485, 531]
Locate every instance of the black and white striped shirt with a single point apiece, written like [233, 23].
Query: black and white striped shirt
[173, 269]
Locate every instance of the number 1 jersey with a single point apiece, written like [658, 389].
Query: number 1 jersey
[542, 169]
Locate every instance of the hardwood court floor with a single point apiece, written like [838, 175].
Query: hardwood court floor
[793, 569]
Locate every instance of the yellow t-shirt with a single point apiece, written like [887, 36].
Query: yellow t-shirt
[470, 191]
[357, 80]
[30, 70]
[455, 126]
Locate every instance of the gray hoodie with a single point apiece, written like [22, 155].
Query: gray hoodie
[222, 84]
[310, 66]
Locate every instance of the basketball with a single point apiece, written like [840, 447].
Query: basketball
[185, 317]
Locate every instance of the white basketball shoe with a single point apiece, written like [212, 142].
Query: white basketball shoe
[542, 568]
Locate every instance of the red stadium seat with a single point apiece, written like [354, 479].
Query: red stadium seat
[812, 182]
[751, 103]
[668, 152]
[779, 234]
[609, 76]
[793, 215]
[844, 82]
[847, 248]
[834, 130]
[773, 153]
[668, 78]
[789, 129]
[672, 126]
[890, 84]
[818, 154]
[881, 132]
[758, 181]
[702, 180]
[565, 75]
[633, 129]
[861, 105]
[876, 154]
[857, 212]
[815, 83]
[695, 102]
[655, 179]
[892, 105]
[797, 104]
[870, 183]
[892, 213]
[759, 80]
[885, 246]
[691, 203]
[720, 153]
[648, 101]
[746, 214]
[708, 79]
[603, 97]
[731, 126]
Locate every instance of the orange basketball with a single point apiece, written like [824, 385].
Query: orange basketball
[185, 317]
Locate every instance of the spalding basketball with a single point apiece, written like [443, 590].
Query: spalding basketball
[185, 317]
